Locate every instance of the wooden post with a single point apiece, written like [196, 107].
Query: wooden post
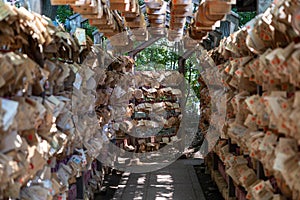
[182, 59]
[260, 174]
[231, 187]
[259, 167]
[80, 187]
[215, 161]
[143, 46]
[259, 90]
[231, 147]
[181, 65]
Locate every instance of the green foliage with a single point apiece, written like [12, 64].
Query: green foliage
[192, 74]
[63, 12]
[163, 56]
[244, 16]
[18, 4]
[89, 29]
[157, 57]
[160, 56]
[141, 2]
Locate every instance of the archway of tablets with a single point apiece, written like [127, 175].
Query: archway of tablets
[139, 111]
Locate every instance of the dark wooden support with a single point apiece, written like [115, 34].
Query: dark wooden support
[181, 61]
[80, 187]
[215, 161]
[259, 90]
[231, 146]
[143, 46]
[231, 187]
[259, 167]
[181, 65]
[260, 171]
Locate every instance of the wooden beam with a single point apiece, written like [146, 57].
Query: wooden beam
[143, 46]
[182, 59]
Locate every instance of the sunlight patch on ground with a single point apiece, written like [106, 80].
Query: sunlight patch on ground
[164, 179]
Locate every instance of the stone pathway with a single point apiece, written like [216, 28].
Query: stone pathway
[177, 181]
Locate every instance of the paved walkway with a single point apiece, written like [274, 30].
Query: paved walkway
[177, 182]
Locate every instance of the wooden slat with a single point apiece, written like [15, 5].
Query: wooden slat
[62, 2]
